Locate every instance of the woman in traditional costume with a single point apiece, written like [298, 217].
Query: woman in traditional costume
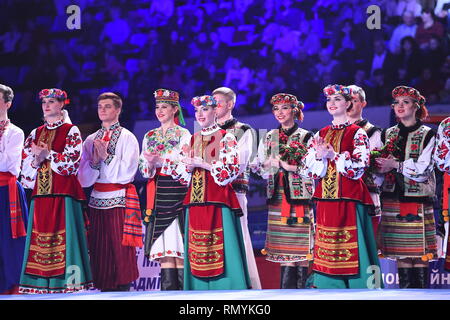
[164, 214]
[289, 239]
[442, 158]
[56, 252]
[344, 246]
[407, 232]
[213, 236]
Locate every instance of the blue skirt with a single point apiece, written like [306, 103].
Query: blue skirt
[11, 250]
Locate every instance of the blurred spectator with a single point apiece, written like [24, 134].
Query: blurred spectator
[381, 59]
[407, 28]
[117, 29]
[434, 56]
[380, 92]
[408, 5]
[162, 10]
[360, 78]
[288, 41]
[409, 58]
[327, 65]
[237, 76]
[429, 86]
[442, 11]
[428, 28]
[444, 95]
[10, 39]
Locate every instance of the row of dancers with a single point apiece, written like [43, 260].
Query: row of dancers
[337, 199]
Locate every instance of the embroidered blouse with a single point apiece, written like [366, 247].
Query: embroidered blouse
[119, 167]
[65, 163]
[421, 168]
[224, 170]
[442, 150]
[11, 144]
[168, 145]
[349, 165]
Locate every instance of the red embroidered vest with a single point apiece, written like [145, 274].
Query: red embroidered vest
[334, 186]
[203, 189]
[48, 182]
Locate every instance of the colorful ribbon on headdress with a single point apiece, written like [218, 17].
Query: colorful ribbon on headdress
[173, 98]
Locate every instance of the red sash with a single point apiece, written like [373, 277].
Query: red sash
[286, 206]
[17, 224]
[132, 227]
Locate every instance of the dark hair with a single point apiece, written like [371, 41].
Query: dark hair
[117, 101]
[429, 11]
[8, 94]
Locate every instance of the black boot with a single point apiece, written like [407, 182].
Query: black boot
[169, 279]
[180, 278]
[288, 278]
[124, 287]
[420, 278]
[405, 278]
[302, 275]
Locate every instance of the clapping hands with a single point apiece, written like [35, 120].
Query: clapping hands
[324, 150]
[40, 152]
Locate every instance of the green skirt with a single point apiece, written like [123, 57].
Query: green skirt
[368, 260]
[235, 276]
[77, 274]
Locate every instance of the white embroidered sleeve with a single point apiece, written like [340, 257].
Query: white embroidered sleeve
[353, 165]
[421, 169]
[313, 166]
[124, 164]
[144, 167]
[226, 169]
[88, 173]
[29, 171]
[442, 150]
[68, 162]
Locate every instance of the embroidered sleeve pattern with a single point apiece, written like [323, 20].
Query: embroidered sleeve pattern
[226, 169]
[353, 165]
[144, 167]
[419, 170]
[68, 162]
[442, 151]
[313, 166]
[29, 171]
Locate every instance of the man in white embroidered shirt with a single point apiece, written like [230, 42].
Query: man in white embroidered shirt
[109, 163]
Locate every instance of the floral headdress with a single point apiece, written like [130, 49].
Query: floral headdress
[337, 89]
[286, 98]
[54, 93]
[204, 101]
[173, 98]
[409, 92]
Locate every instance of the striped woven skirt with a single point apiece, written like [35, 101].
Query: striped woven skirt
[288, 242]
[403, 238]
[166, 226]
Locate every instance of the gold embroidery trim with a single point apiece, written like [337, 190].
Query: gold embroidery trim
[198, 186]
[338, 236]
[334, 255]
[330, 183]
[44, 174]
